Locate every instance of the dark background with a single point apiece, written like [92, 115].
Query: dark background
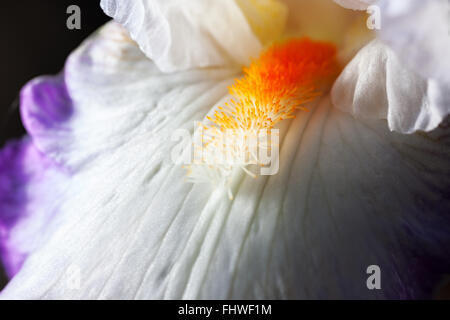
[35, 41]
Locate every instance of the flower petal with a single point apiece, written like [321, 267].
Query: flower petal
[27, 187]
[349, 194]
[84, 113]
[180, 35]
[419, 32]
[376, 84]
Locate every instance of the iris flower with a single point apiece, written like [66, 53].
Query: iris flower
[92, 207]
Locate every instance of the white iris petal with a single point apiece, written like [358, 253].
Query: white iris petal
[180, 35]
[406, 82]
[338, 204]
[419, 32]
[376, 84]
[349, 194]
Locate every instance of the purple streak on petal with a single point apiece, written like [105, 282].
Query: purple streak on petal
[45, 103]
[25, 167]
[21, 165]
[46, 107]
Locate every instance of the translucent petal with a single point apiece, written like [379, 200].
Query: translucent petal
[181, 35]
[419, 32]
[28, 183]
[377, 84]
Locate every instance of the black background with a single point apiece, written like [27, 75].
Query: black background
[280, 309]
[35, 41]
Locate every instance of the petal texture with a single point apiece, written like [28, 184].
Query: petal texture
[180, 35]
[82, 114]
[376, 84]
[349, 194]
[419, 32]
[27, 186]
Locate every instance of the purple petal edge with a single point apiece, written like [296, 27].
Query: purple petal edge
[20, 164]
[46, 108]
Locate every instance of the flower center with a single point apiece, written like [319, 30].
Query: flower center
[282, 80]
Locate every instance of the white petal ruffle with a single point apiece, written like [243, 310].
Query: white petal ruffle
[419, 32]
[377, 84]
[181, 35]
